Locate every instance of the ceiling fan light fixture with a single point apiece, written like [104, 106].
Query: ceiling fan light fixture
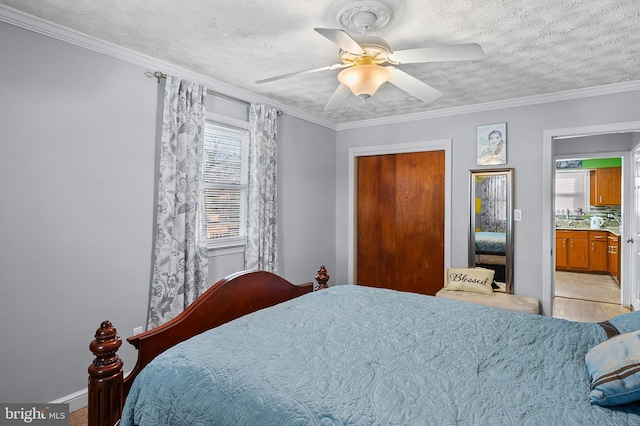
[364, 80]
[364, 21]
[368, 15]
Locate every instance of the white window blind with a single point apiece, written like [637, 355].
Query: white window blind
[226, 153]
[572, 190]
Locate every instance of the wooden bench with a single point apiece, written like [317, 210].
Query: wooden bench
[508, 301]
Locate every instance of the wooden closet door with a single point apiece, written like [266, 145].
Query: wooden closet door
[376, 221]
[401, 221]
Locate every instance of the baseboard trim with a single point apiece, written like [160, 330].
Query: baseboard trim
[76, 400]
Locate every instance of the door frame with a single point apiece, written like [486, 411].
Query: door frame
[354, 153]
[548, 225]
[634, 252]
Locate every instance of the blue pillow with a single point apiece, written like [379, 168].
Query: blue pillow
[614, 370]
[626, 323]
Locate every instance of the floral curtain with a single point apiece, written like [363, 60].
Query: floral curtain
[180, 266]
[262, 234]
[492, 192]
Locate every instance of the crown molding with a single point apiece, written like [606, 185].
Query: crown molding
[491, 106]
[41, 26]
[29, 22]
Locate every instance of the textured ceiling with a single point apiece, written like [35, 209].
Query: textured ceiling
[531, 47]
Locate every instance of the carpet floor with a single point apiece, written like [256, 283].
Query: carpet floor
[79, 418]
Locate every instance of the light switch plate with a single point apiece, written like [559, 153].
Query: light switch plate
[517, 215]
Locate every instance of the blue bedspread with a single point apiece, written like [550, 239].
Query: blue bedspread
[352, 355]
[491, 242]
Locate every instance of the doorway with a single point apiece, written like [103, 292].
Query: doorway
[588, 217]
[628, 287]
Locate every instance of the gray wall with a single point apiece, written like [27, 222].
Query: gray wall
[525, 127]
[77, 184]
[306, 198]
[616, 142]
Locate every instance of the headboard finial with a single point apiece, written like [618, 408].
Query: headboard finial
[105, 377]
[322, 278]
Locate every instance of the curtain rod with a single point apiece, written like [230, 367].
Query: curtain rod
[158, 75]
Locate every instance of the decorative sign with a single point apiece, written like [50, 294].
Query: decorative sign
[569, 164]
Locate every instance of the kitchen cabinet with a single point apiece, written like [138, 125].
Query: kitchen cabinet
[561, 252]
[572, 250]
[605, 186]
[613, 259]
[598, 251]
[588, 251]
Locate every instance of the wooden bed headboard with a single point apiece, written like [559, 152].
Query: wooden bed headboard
[230, 298]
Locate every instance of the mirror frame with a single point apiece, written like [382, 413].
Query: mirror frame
[509, 174]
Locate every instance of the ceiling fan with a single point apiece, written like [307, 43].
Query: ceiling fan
[362, 63]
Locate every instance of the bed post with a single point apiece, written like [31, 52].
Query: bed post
[322, 278]
[105, 377]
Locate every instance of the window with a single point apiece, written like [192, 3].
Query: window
[572, 190]
[226, 157]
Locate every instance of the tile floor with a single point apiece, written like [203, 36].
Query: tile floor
[586, 297]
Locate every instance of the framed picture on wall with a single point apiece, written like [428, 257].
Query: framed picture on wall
[491, 144]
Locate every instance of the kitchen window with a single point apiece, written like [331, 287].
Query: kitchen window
[572, 190]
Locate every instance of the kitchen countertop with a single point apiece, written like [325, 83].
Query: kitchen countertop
[615, 231]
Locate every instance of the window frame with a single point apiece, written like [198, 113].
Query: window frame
[236, 129]
[585, 192]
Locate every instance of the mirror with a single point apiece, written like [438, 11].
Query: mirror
[491, 225]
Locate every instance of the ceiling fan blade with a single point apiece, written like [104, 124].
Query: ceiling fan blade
[327, 68]
[460, 52]
[338, 98]
[412, 85]
[342, 39]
